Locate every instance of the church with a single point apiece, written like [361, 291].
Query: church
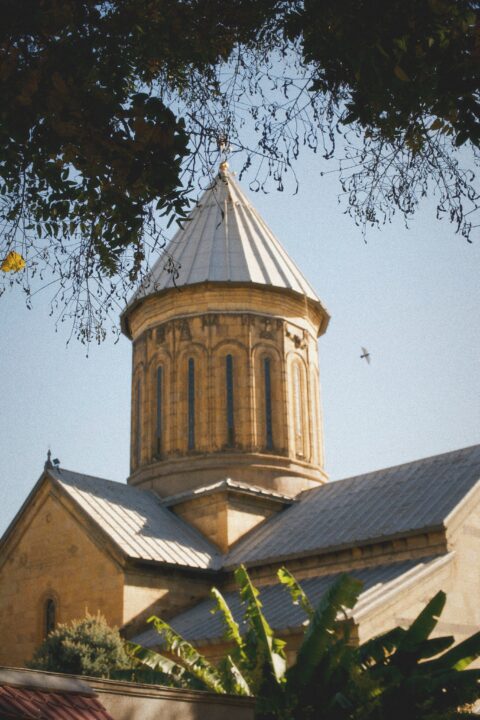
[227, 467]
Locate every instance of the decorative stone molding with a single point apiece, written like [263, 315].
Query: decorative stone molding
[300, 342]
[267, 331]
[160, 334]
[248, 319]
[184, 328]
[209, 320]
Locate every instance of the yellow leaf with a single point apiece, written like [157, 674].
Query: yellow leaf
[13, 262]
[401, 74]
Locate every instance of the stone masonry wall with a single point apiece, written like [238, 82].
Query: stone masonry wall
[51, 556]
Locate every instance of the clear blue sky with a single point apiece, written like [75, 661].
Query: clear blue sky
[412, 297]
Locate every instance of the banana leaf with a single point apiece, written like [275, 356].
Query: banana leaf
[460, 656]
[320, 634]
[269, 648]
[189, 658]
[424, 624]
[297, 594]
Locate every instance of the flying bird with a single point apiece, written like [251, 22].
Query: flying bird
[365, 354]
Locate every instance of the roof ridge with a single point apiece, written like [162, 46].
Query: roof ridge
[417, 461]
[227, 483]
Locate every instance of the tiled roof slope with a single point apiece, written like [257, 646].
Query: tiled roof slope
[25, 704]
[394, 501]
[199, 625]
[136, 521]
[30, 695]
[225, 240]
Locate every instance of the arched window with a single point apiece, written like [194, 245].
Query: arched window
[50, 612]
[159, 415]
[229, 389]
[191, 404]
[268, 403]
[297, 402]
[138, 423]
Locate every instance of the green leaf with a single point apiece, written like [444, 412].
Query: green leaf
[461, 138]
[297, 594]
[379, 648]
[271, 648]
[155, 660]
[190, 658]
[241, 684]
[320, 634]
[434, 646]
[232, 630]
[460, 656]
[424, 624]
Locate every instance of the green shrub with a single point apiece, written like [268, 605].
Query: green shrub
[82, 647]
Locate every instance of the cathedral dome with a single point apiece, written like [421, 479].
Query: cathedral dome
[224, 240]
[225, 381]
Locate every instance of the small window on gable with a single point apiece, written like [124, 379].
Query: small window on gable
[50, 616]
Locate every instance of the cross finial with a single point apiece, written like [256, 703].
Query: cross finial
[224, 149]
[48, 462]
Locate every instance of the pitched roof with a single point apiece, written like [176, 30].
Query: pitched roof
[406, 499]
[225, 240]
[199, 625]
[395, 501]
[136, 522]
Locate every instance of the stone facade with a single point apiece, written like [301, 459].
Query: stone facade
[54, 555]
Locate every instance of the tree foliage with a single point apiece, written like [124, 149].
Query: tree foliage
[112, 112]
[83, 647]
[403, 673]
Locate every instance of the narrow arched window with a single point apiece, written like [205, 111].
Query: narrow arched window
[297, 399]
[50, 612]
[159, 416]
[138, 424]
[230, 411]
[268, 403]
[191, 404]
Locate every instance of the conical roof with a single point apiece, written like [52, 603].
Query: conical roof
[224, 240]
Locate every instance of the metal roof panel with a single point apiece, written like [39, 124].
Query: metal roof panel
[136, 521]
[225, 240]
[198, 625]
[394, 501]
